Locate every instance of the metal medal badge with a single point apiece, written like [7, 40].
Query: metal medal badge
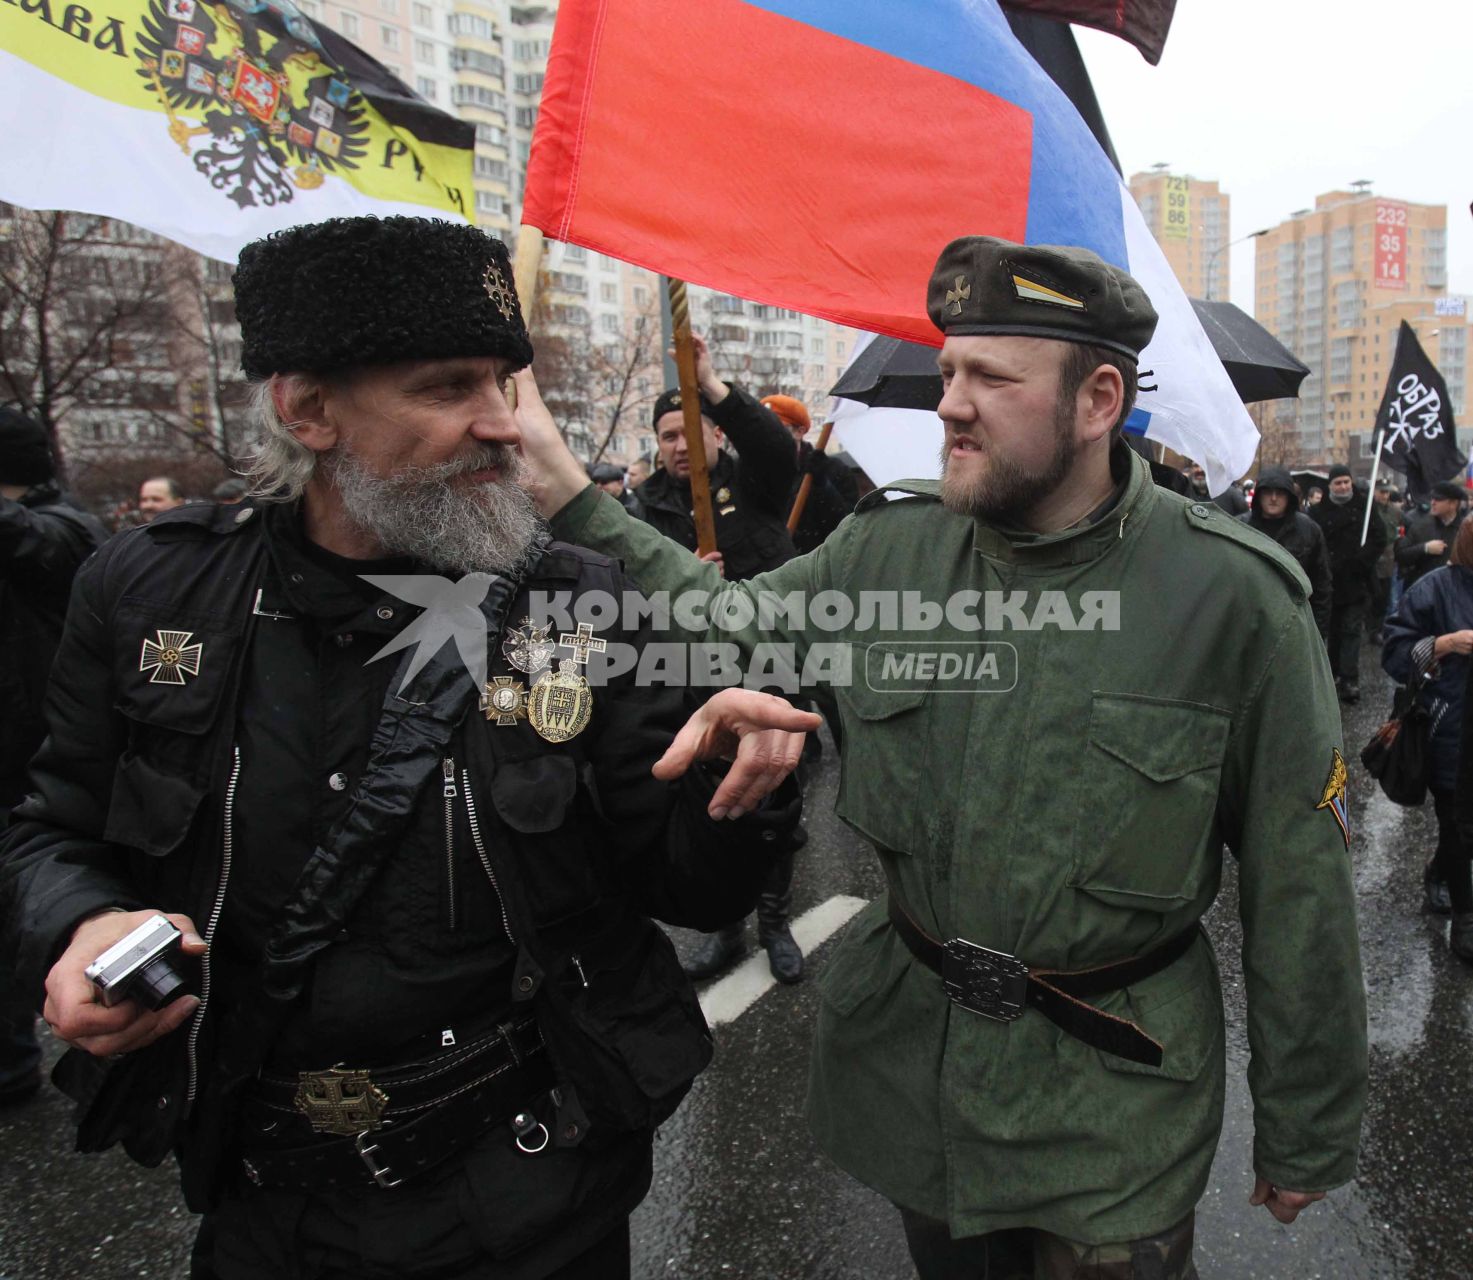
[561, 703]
[170, 657]
[528, 648]
[1334, 797]
[504, 700]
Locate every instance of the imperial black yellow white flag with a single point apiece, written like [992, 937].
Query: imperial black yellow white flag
[213, 123]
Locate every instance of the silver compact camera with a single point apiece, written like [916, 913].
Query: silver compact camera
[140, 967]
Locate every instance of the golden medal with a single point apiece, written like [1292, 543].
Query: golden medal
[561, 703]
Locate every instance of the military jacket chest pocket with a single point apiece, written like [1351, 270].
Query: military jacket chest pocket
[1145, 828]
[172, 670]
[886, 787]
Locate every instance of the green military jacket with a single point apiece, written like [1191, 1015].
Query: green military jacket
[1157, 690]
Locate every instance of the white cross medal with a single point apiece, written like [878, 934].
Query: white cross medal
[170, 657]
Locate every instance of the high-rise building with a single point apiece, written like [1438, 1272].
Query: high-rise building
[1333, 283]
[1189, 218]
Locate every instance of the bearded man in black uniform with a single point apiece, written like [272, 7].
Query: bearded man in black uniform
[433, 1025]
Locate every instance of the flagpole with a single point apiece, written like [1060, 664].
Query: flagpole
[524, 275]
[1365, 527]
[690, 411]
[805, 486]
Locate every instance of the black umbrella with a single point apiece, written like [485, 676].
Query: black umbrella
[894, 374]
[1260, 366]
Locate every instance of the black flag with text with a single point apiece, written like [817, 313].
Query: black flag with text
[1415, 420]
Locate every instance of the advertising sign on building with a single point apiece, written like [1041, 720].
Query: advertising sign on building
[1450, 307]
[1177, 223]
[1391, 245]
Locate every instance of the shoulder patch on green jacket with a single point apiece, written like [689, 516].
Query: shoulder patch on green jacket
[1210, 518]
[912, 488]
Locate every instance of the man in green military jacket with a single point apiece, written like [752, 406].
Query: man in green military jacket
[1062, 691]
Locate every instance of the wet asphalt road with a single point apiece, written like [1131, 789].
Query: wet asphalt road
[742, 1192]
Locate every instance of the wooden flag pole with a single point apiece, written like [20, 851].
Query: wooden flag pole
[524, 272]
[805, 486]
[690, 411]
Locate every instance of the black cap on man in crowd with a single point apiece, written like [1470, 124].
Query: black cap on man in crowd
[25, 452]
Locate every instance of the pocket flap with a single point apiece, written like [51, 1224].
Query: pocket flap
[173, 666]
[151, 809]
[1162, 740]
[880, 704]
[533, 795]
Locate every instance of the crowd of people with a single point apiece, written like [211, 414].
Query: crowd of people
[431, 1026]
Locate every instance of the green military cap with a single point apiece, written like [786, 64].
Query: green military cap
[985, 285]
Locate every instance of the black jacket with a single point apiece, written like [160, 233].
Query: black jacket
[43, 541]
[1300, 536]
[749, 494]
[832, 496]
[1438, 603]
[1411, 548]
[1352, 566]
[137, 788]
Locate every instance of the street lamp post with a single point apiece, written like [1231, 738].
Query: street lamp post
[1212, 261]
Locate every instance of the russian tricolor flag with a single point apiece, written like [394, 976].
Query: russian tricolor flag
[818, 154]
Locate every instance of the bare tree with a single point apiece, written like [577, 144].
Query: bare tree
[119, 343]
[626, 371]
[72, 301]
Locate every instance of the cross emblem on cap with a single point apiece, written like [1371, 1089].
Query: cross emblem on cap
[583, 644]
[960, 294]
[497, 291]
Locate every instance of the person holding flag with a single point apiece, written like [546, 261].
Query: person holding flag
[1021, 1044]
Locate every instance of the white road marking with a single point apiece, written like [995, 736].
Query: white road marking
[730, 997]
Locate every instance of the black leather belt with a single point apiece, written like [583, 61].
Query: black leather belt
[998, 985]
[384, 1125]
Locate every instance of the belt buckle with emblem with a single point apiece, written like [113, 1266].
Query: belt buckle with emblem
[984, 981]
[341, 1102]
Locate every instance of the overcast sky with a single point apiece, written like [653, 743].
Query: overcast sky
[1280, 100]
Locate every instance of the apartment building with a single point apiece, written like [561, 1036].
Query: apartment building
[1332, 284]
[1190, 219]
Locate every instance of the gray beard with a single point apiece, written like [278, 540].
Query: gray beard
[419, 512]
[1005, 492]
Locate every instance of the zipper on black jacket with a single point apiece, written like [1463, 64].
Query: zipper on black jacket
[447, 768]
[227, 850]
[470, 810]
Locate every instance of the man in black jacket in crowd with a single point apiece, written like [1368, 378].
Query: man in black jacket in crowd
[1275, 513]
[1429, 535]
[433, 1026]
[1341, 517]
[43, 541]
[749, 503]
[833, 493]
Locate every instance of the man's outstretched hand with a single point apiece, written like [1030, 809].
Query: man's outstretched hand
[1284, 1205]
[760, 734]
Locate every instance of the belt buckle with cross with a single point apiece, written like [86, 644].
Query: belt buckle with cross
[341, 1102]
[583, 644]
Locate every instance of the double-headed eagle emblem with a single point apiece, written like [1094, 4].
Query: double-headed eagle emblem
[250, 76]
